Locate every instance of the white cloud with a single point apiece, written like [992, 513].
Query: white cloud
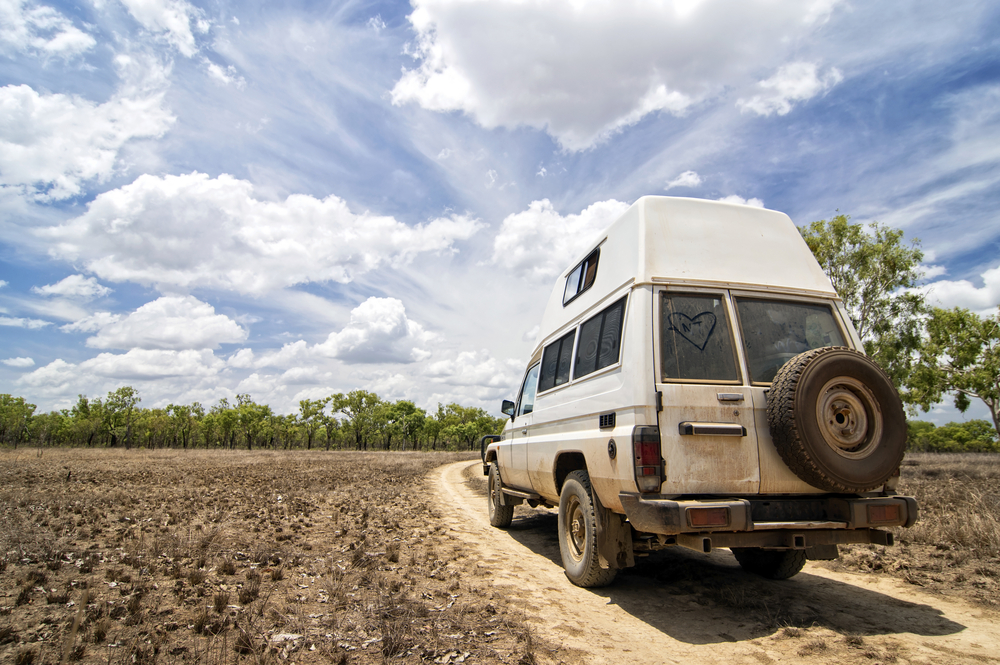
[795, 82]
[136, 365]
[739, 200]
[74, 286]
[193, 230]
[538, 243]
[169, 322]
[44, 31]
[241, 359]
[475, 368]
[92, 322]
[379, 332]
[686, 179]
[932, 271]
[376, 23]
[3, 283]
[172, 19]
[51, 144]
[30, 324]
[285, 357]
[963, 293]
[19, 362]
[584, 70]
[226, 77]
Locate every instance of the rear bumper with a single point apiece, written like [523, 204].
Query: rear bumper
[797, 523]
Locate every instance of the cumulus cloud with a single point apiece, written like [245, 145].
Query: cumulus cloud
[170, 322]
[538, 243]
[583, 71]
[739, 200]
[29, 28]
[18, 362]
[77, 287]
[795, 82]
[476, 368]
[135, 365]
[379, 332]
[15, 322]
[51, 144]
[170, 19]
[963, 293]
[686, 179]
[193, 230]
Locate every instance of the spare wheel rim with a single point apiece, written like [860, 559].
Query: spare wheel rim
[849, 418]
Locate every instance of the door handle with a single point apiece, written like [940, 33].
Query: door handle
[524, 431]
[729, 397]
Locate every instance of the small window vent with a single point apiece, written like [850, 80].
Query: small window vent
[607, 420]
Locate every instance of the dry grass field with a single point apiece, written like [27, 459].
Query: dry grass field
[955, 546]
[217, 557]
[232, 557]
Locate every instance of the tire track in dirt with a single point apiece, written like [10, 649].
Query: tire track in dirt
[641, 619]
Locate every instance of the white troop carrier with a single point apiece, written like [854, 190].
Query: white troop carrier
[697, 382]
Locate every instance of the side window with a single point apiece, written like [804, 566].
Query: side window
[582, 277]
[695, 342]
[600, 340]
[555, 363]
[526, 403]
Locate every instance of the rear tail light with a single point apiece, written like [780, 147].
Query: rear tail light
[646, 448]
[882, 514]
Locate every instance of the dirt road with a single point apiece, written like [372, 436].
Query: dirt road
[683, 607]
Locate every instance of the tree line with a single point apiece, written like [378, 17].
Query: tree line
[358, 420]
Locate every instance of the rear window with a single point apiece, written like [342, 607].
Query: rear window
[695, 342]
[775, 331]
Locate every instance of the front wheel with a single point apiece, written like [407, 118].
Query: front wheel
[772, 564]
[578, 534]
[500, 515]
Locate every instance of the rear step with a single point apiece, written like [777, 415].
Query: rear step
[530, 496]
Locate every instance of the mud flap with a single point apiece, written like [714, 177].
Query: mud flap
[614, 537]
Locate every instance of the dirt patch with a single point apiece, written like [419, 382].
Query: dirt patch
[680, 606]
[216, 557]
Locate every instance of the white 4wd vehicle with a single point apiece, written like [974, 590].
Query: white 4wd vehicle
[697, 383]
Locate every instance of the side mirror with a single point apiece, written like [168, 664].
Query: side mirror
[507, 408]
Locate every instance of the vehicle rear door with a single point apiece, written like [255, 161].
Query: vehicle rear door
[707, 434]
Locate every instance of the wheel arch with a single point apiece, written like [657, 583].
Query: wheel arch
[566, 463]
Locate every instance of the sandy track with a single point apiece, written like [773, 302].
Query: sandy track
[713, 613]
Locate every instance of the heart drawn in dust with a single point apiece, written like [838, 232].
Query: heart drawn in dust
[696, 330]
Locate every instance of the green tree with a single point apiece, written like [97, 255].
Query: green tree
[120, 410]
[311, 418]
[251, 418]
[15, 419]
[88, 419]
[962, 356]
[359, 408]
[874, 272]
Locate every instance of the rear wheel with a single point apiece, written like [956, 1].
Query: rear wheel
[578, 534]
[500, 515]
[772, 564]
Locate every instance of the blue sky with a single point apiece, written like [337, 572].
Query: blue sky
[204, 199]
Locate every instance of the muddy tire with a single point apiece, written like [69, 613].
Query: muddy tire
[774, 565]
[837, 420]
[500, 515]
[578, 534]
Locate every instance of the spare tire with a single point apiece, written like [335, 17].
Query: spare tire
[837, 420]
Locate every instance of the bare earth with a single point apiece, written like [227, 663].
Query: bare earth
[683, 607]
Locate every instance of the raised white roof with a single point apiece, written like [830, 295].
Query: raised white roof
[661, 238]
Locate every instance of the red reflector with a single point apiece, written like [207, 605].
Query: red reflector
[708, 516]
[883, 513]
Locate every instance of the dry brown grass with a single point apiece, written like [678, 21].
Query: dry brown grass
[216, 557]
[955, 546]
